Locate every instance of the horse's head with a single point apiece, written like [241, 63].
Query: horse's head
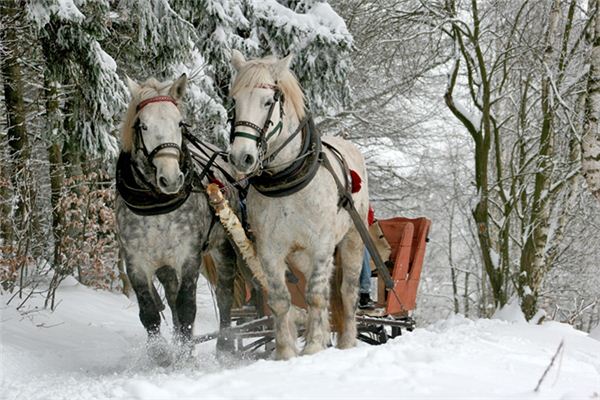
[259, 91]
[152, 131]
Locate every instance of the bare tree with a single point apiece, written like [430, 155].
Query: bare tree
[590, 143]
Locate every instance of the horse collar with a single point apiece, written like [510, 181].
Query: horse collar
[142, 197]
[299, 174]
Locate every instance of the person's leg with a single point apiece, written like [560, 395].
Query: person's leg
[364, 290]
[365, 273]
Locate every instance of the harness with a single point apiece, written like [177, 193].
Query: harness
[299, 173]
[263, 137]
[144, 198]
[140, 195]
[139, 135]
[301, 170]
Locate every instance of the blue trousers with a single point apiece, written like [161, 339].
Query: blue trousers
[365, 274]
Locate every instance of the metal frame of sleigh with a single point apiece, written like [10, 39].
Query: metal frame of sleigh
[400, 241]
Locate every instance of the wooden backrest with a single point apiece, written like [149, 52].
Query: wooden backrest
[408, 238]
[393, 230]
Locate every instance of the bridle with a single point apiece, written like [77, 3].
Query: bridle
[263, 134]
[140, 136]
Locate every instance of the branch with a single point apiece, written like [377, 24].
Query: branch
[558, 350]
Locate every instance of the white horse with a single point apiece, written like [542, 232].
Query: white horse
[294, 203]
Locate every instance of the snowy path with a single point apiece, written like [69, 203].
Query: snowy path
[92, 348]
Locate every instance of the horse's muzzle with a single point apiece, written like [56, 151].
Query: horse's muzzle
[170, 183]
[244, 163]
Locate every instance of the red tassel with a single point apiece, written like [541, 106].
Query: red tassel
[217, 182]
[356, 181]
[371, 215]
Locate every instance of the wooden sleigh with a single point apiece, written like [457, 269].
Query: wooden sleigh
[400, 241]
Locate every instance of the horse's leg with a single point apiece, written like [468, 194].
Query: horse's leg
[144, 291]
[150, 308]
[168, 278]
[186, 299]
[224, 258]
[279, 301]
[350, 256]
[317, 298]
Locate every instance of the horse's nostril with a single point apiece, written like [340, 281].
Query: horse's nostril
[162, 181]
[248, 160]
[180, 179]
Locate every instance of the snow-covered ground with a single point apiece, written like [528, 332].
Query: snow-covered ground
[91, 347]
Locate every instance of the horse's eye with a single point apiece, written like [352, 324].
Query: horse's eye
[143, 127]
[269, 103]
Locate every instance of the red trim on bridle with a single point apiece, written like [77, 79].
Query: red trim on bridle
[155, 99]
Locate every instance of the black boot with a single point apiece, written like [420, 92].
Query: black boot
[365, 302]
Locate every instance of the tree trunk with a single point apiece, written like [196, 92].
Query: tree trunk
[6, 193]
[590, 143]
[13, 99]
[533, 257]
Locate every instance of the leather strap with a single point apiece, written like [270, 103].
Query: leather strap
[300, 173]
[155, 99]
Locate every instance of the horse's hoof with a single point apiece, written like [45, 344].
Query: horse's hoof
[346, 343]
[285, 354]
[225, 344]
[312, 348]
[158, 351]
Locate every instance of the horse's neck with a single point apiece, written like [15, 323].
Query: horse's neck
[290, 151]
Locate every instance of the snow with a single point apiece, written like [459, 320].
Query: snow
[595, 333]
[495, 257]
[91, 347]
[511, 312]
[320, 20]
[106, 61]
[66, 10]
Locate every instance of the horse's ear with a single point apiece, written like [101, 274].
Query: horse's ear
[133, 86]
[237, 59]
[177, 90]
[283, 65]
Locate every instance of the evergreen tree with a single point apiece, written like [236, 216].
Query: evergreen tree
[75, 61]
[311, 30]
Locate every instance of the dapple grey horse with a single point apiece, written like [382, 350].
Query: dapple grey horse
[164, 220]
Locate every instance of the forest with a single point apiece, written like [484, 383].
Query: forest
[481, 115]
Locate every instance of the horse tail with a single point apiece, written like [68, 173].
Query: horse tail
[210, 270]
[239, 290]
[337, 306]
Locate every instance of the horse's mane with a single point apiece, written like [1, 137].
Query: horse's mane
[260, 71]
[152, 87]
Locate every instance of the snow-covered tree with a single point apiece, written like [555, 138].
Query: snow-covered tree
[590, 143]
[312, 31]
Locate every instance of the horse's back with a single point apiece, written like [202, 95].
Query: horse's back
[349, 151]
